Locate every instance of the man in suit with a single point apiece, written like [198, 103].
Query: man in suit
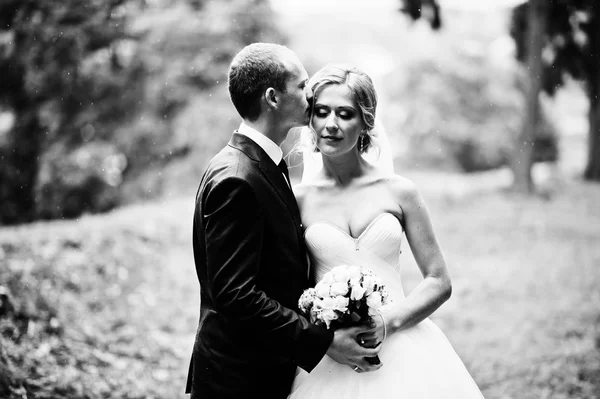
[249, 248]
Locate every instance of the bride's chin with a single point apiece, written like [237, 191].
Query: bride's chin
[327, 151]
[327, 146]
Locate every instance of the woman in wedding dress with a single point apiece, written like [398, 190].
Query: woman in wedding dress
[358, 212]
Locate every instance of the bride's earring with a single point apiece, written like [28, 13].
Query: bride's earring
[361, 142]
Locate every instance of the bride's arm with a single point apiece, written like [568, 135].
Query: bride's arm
[436, 286]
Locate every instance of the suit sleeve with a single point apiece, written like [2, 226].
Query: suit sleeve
[234, 225]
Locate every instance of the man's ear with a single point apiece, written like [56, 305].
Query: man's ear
[271, 97]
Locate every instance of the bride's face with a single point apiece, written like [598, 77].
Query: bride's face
[337, 120]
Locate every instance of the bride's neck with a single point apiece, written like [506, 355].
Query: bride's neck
[344, 169]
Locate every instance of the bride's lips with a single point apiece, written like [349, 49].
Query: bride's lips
[331, 138]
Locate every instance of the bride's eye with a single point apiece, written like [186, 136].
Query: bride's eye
[321, 112]
[346, 115]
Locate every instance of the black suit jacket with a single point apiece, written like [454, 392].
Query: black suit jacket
[251, 262]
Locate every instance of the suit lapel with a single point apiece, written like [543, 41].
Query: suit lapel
[272, 173]
[275, 177]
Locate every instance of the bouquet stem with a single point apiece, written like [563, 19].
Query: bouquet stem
[373, 360]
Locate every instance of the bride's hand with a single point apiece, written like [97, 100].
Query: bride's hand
[345, 349]
[374, 337]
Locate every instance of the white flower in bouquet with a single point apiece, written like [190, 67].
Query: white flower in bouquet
[340, 274]
[358, 292]
[327, 303]
[369, 283]
[328, 278]
[322, 289]
[347, 294]
[355, 273]
[331, 308]
[318, 305]
[374, 302]
[305, 303]
[339, 288]
[341, 303]
[329, 315]
[385, 296]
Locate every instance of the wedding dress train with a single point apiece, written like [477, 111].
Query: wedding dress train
[418, 362]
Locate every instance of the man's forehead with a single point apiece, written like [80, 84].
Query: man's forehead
[297, 74]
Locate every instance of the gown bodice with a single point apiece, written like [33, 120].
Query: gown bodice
[377, 248]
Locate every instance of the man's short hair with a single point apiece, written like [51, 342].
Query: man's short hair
[253, 70]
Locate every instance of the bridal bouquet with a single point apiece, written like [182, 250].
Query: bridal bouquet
[346, 295]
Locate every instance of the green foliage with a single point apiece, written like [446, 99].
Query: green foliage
[104, 80]
[186, 50]
[461, 109]
[569, 50]
[62, 71]
[427, 9]
[572, 49]
[83, 180]
[461, 113]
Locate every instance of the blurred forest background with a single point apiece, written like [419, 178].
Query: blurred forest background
[109, 111]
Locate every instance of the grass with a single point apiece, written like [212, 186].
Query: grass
[95, 309]
[106, 306]
[525, 313]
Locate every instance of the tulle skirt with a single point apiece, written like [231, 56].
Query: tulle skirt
[417, 363]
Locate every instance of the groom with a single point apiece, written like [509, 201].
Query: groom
[249, 248]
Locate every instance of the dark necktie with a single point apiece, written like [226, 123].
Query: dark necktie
[284, 169]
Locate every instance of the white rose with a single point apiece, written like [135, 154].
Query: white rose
[374, 300]
[322, 289]
[354, 281]
[378, 281]
[369, 284]
[317, 305]
[328, 277]
[358, 292]
[328, 315]
[341, 303]
[354, 272]
[328, 303]
[339, 288]
[340, 273]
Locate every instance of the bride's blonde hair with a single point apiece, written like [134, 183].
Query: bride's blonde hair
[363, 91]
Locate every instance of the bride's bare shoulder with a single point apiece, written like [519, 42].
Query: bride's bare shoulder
[401, 186]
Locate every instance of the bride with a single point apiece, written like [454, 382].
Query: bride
[357, 212]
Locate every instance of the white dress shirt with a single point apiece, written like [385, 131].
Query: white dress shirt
[273, 150]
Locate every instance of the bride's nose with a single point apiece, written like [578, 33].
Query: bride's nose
[331, 123]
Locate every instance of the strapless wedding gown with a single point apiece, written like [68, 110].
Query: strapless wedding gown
[418, 362]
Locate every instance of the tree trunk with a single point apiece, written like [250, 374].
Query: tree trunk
[19, 157]
[19, 174]
[592, 170]
[522, 159]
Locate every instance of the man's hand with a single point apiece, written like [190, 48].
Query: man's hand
[345, 349]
